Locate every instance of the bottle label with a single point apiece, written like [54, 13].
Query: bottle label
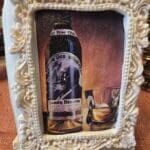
[63, 32]
[64, 86]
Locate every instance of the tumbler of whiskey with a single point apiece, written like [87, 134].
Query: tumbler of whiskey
[102, 112]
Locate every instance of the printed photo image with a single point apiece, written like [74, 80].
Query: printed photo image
[80, 64]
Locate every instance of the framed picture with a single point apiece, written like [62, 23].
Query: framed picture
[74, 71]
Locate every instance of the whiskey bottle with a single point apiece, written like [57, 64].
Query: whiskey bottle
[64, 78]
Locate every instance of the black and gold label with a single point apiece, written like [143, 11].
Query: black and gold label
[64, 86]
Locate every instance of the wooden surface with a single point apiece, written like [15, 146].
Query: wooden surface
[8, 131]
[143, 123]
[7, 124]
[96, 34]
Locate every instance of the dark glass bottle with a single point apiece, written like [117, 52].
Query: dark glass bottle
[64, 77]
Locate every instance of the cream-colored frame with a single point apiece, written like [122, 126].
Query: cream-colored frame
[25, 86]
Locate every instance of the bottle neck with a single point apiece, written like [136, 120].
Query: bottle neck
[62, 25]
[61, 28]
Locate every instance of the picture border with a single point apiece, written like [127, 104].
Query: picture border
[27, 86]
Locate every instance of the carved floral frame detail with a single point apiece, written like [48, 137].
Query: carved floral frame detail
[30, 134]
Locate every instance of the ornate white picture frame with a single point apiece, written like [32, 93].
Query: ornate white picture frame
[23, 74]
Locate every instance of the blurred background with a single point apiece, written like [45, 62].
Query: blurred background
[146, 62]
[7, 124]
